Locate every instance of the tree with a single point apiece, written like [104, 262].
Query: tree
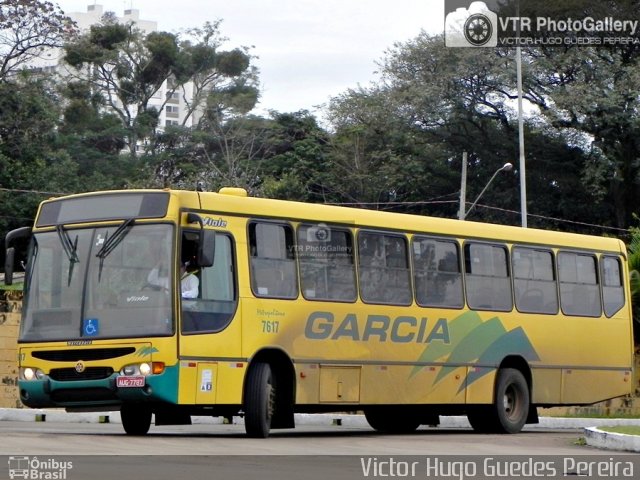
[594, 92]
[207, 70]
[128, 67]
[634, 278]
[295, 164]
[30, 165]
[27, 29]
[406, 135]
[94, 138]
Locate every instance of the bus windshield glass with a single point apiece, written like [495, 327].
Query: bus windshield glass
[105, 282]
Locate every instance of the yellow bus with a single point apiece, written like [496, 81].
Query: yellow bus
[313, 308]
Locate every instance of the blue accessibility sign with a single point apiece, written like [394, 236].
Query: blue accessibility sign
[90, 327]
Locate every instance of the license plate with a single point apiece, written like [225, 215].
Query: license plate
[130, 382]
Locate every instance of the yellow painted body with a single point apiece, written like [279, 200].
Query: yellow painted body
[578, 360]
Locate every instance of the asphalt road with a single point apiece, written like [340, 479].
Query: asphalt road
[97, 451]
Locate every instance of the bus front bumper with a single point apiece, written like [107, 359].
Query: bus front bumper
[109, 391]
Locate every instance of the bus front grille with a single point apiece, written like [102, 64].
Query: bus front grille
[90, 373]
[86, 354]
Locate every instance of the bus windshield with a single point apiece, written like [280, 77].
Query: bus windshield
[105, 282]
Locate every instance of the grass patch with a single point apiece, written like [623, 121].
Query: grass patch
[16, 287]
[627, 429]
[595, 415]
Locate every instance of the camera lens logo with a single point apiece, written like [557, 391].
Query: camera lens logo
[478, 29]
[472, 27]
[319, 233]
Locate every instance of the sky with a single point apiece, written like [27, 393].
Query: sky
[308, 50]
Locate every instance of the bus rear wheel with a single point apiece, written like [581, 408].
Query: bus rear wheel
[259, 400]
[510, 409]
[392, 420]
[136, 418]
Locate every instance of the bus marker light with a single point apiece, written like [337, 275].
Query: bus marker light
[157, 368]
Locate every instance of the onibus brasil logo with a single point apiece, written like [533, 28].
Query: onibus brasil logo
[35, 468]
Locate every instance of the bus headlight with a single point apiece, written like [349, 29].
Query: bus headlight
[28, 373]
[145, 369]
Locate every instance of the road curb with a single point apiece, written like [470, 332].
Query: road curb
[611, 441]
[594, 436]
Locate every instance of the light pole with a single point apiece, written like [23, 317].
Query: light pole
[505, 168]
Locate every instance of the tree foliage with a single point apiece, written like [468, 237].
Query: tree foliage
[27, 29]
[396, 144]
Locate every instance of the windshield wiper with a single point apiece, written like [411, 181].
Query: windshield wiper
[70, 248]
[111, 242]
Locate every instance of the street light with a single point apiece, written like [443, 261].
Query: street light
[505, 168]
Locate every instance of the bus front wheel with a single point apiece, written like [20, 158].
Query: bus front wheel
[510, 409]
[136, 418]
[259, 401]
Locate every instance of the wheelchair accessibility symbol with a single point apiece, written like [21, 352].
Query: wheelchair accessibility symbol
[90, 327]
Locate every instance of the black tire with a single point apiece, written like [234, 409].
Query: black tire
[259, 400]
[510, 409]
[479, 419]
[136, 418]
[391, 420]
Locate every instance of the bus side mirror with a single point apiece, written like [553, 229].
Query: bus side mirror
[206, 242]
[10, 253]
[207, 248]
[8, 265]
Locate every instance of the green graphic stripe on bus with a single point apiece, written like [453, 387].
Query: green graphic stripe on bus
[459, 327]
[144, 351]
[472, 340]
[515, 341]
[472, 345]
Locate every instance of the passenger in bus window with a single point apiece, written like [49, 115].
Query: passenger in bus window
[189, 282]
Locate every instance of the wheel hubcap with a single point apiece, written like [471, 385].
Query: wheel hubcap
[510, 402]
[271, 400]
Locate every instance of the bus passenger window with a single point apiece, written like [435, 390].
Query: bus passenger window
[487, 277]
[273, 264]
[437, 276]
[384, 269]
[534, 281]
[327, 269]
[579, 291]
[216, 304]
[612, 289]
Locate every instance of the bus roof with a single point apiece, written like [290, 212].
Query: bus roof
[234, 203]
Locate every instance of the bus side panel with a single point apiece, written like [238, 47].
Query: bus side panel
[229, 382]
[578, 385]
[480, 390]
[388, 384]
[547, 385]
[308, 383]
